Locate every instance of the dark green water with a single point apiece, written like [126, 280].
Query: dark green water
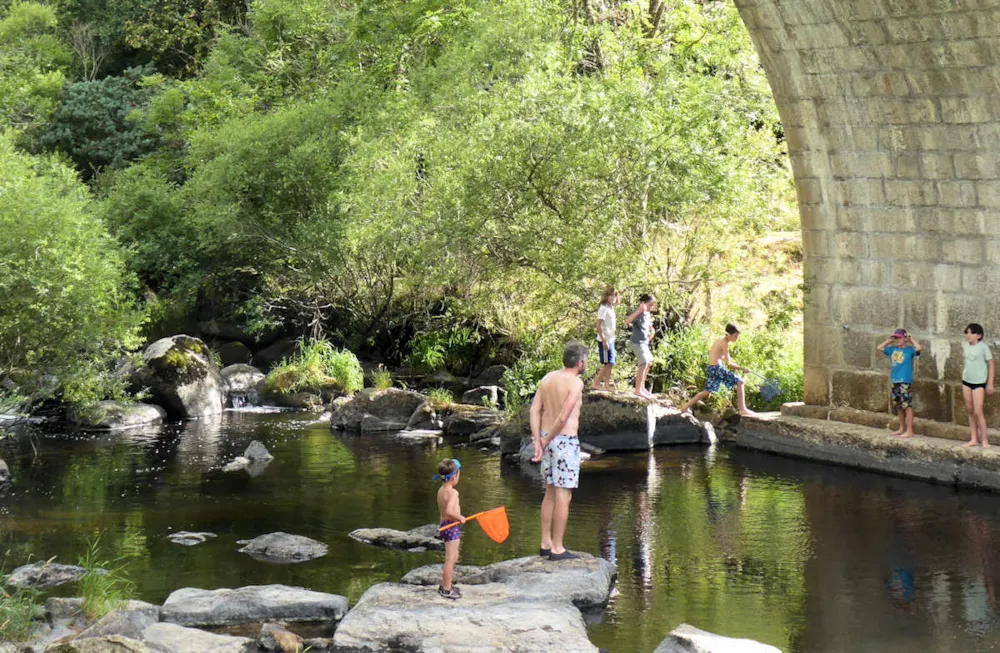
[806, 557]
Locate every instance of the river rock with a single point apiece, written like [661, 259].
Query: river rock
[422, 536]
[493, 617]
[5, 477]
[115, 415]
[242, 382]
[492, 375]
[483, 395]
[252, 604]
[424, 418]
[40, 575]
[616, 422]
[234, 353]
[171, 638]
[105, 644]
[377, 410]
[128, 622]
[585, 582]
[188, 538]
[181, 377]
[237, 464]
[257, 452]
[465, 420]
[273, 353]
[688, 639]
[283, 547]
[274, 637]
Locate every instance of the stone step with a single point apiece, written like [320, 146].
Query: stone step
[928, 427]
[932, 459]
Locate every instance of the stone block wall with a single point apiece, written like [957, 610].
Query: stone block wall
[891, 110]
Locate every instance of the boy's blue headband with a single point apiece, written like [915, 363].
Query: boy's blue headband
[448, 477]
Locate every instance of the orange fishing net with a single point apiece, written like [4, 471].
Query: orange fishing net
[493, 522]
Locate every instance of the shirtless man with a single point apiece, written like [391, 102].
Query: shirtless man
[555, 422]
[718, 374]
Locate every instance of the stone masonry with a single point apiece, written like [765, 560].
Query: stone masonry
[891, 109]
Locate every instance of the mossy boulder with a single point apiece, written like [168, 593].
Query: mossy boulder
[181, 377]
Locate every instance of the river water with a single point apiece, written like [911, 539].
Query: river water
[806, 557]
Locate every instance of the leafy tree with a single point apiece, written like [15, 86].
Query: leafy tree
[33, 62]
[67, 308]
[94, 123]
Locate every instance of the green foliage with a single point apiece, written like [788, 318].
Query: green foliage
[33, 63]
[317, 365]
[68, 311]
[104, 585]
[381, 378]
[521, 379]
[19, 608]
[95, 123]
[440, 398]
[448, 348]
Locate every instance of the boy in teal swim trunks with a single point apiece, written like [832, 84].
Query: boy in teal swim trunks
[719, 372]
[451, 512]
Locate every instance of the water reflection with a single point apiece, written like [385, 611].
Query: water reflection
[805, 557]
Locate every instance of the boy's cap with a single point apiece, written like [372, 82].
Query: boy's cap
[900, 333]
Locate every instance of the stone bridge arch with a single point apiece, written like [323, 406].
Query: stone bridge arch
[891, 110]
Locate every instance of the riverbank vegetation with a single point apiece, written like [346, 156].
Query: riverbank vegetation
[440, 185]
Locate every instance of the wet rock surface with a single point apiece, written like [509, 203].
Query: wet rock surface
[242, 381]
[190, 538]
[420, 537]
[251, 604]
[116, 415]
[283, 547]
[688, 639]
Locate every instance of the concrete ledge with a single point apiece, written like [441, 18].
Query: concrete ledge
[928, 427]
[862, 447]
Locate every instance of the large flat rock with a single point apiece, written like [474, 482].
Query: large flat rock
[488, 618]
[171, 638]
[251, 604]
[415, 538]
[862, 447]
[617, 422]
[688, 639]
[585, 582]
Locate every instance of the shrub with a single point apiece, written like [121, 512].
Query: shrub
[440, 398]
[67, 306]
[521, 380]
[381, 378]
[452, 349]
[93, 123]
[316, 365]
